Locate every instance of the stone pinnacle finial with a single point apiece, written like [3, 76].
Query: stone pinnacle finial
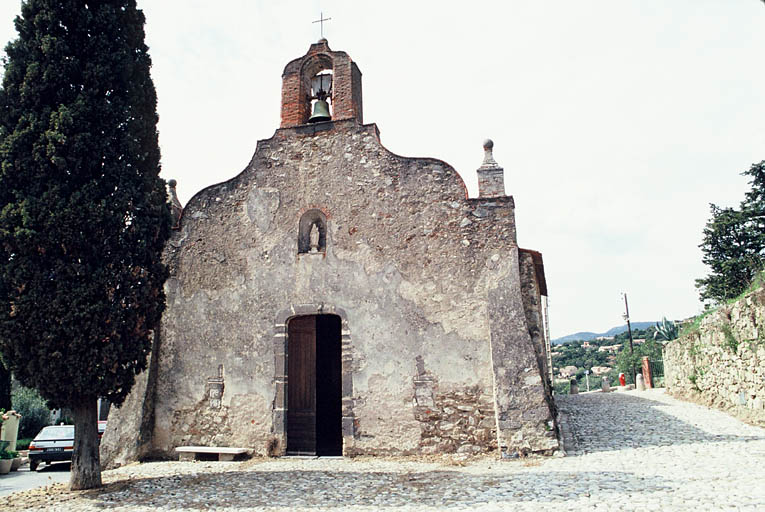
[491, 177]
[488, 154]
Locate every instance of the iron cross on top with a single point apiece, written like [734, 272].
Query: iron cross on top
[321, 20]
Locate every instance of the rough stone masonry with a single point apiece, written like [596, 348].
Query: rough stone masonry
[438, 324]
[720, 363]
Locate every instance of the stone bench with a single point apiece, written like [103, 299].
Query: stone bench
[224, 453]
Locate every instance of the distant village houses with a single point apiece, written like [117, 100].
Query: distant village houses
[600, 370]
[568, 371]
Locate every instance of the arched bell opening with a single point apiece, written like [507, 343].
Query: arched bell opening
[317, 79]
[344, 99]
[321, 97]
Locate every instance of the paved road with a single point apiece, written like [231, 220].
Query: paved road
[24, 479]
[629, 451]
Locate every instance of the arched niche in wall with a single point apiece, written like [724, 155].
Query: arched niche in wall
[308, 220]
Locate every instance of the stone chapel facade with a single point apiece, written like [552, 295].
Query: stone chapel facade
[335, 298]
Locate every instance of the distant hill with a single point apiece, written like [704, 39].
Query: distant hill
[586, 335]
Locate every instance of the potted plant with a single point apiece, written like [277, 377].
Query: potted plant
[16, 461]
[6, 458]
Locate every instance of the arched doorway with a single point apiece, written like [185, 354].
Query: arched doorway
[314, 389]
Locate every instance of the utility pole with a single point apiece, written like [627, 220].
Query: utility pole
[629, 331]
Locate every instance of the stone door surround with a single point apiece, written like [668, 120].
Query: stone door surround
[280, 370]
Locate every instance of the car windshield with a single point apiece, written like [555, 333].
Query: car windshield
[54, 433]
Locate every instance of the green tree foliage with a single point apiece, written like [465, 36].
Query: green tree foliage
[571, 353]
[734, 243]
[5, 387]
[625, 360]
[754, 205]
[562, 388]
[83, 214]
[34, 412]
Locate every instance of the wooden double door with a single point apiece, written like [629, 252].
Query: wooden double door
[314, 386]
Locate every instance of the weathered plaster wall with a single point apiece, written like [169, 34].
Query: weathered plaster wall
[524, 422]
[128, 434]
[428, 281]
[722, 364]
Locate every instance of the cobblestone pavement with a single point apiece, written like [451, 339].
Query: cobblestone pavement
[627, 451]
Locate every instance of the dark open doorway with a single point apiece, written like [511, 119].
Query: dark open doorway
[314, 412]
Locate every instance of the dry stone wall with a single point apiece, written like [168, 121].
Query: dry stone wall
[460, 421]
[722, 363]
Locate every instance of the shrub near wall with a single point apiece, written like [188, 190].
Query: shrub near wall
[34, 412]
[721, 362]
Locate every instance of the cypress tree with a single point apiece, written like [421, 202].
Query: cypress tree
[83, 212]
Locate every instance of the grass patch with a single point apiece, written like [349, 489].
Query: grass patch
[730, 340]
[695, 349]
[757, 342]
[694, 326]
[757, 282]
[695, 377]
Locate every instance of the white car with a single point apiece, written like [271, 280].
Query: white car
[55, 443]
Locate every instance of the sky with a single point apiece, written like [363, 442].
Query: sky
[617, 121]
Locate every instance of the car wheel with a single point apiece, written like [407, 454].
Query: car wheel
[33, 465]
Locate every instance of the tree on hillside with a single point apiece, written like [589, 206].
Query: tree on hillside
[734, 243]
[626, 360]
[83, 214]
[754, 205]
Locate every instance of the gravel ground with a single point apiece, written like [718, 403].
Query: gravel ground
[626, 451]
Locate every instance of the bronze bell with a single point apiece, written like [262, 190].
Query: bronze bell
[320, 112]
